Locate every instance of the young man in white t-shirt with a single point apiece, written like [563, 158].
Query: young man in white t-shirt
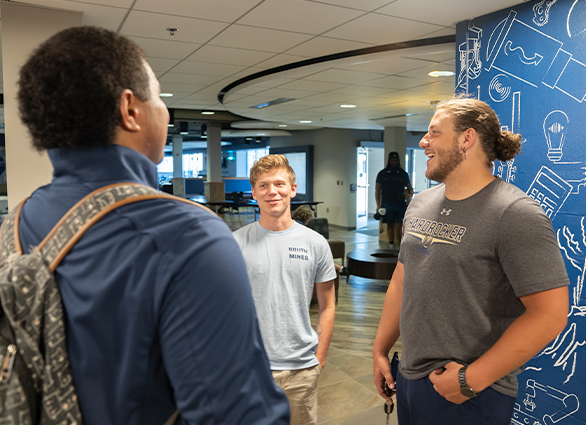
[285, 260]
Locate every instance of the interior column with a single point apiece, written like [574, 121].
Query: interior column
[178, 180]
[214, 186]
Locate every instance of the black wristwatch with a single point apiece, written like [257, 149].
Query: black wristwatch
[464, 387]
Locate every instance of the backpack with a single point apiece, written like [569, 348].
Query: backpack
[36, 385]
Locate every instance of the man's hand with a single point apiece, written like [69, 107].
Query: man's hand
[382, 371]
[445, 382]
[322, 362]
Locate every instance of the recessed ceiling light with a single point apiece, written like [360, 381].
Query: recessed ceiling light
[166, 94]
[347, 106]
[282, 125]
[305, 122]
[203, 136]
[170, 125]
[183, 132]
[441, 74]
[207, 112]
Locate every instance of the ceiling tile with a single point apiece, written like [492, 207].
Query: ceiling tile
[393, 82]
[343, 76]
[154, 25]
[381, 29]
[279, 60]
[439, 33]
[390, 66]
[161, 65]
[252, 38]
[322, 46]
[177, 78]
[358, 91]
[329, 97]
[106, 16]
[315, 86]
[219, 10]
[260, 87]
[206, 68]
[181, 88]
[115, 3]
[165, 48]
[229, 56]
[298, 16]
[364, 5]
[445, 12]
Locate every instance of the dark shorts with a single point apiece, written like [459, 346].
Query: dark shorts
[395, 213]
[419, 404]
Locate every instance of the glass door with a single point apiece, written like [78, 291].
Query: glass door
[362, 188]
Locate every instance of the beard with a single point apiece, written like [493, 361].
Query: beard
[448, 161]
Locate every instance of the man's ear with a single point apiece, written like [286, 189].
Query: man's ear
[469, 138]
[129, 111]
[293, 191]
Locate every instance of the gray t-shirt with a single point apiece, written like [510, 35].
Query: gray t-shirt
[283, 267]
[467, 263]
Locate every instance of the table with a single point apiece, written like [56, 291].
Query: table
[311, 204]
[373, 264]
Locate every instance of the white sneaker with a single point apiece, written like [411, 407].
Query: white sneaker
[391, 246]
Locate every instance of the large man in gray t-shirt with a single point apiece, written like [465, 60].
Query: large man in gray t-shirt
[285, 260]
[471, 296]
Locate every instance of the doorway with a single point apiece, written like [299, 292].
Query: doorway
[361, 187]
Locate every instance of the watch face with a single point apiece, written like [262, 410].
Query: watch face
[468, 392]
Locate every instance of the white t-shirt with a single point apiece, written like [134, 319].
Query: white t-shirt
[283, 267]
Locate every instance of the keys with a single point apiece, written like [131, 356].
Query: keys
[389, 405]
[389, 409]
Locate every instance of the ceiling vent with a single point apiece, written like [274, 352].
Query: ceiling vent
[272, 103]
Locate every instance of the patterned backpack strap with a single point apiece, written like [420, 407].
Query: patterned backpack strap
[89, 210]
[9, 240]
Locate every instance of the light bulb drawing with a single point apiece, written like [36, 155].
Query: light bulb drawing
[554, 128]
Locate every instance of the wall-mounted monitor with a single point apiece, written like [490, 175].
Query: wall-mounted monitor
[301, 160]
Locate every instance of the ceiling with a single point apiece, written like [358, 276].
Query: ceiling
[232, 48]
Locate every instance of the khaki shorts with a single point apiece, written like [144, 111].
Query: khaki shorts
[301, 389]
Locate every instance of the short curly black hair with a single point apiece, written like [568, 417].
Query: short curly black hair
[69, 89]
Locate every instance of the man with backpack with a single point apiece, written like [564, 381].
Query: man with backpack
[157, 305]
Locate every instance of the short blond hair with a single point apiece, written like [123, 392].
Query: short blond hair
[269, 162]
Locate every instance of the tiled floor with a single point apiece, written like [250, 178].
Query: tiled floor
[346, 393]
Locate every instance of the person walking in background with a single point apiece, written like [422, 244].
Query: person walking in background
[471, 297]
[158, 309]
[390, 195]
[285, 260]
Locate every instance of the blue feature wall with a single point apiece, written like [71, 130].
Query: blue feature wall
[529, 64]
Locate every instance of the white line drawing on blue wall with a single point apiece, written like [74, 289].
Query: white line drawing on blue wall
[499, 88]
[554, 128]
[563, 405]
[518, 50]
[507, 170]
[541, 12]
[575, 23]
[550, 190]
[565, 348]
[470, 63]
[575, 255]
[535, 58]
